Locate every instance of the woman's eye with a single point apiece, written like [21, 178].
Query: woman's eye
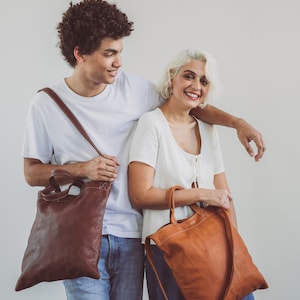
[188, 76]
[204, 81]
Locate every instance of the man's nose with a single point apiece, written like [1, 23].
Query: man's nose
[117, 61]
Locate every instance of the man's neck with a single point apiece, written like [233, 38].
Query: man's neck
[83, 88]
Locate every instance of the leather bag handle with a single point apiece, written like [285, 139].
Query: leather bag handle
[53, 194]
[70, 115]
[171, 202]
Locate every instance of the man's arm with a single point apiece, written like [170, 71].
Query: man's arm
[99, 168]
[246, 133]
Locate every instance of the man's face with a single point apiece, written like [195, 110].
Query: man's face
[101, 67]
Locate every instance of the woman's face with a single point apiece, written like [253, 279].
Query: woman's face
[190, 86]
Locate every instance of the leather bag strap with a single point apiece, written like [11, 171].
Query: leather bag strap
[70, 115]
[151, 261]
[171, 203]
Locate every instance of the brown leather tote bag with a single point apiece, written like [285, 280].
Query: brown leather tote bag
[206, 254]
[65, 238]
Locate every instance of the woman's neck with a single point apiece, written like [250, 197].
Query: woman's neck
[176, 115]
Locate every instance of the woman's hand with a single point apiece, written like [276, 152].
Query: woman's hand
[218, 197]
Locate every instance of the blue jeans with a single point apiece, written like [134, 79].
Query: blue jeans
[167, 279]
[121, 267]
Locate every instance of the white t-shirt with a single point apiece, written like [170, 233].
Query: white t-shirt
[109, 119]
[154, 144]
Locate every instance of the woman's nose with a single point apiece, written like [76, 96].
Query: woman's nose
[196, 85]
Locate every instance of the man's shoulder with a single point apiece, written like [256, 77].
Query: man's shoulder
[133, 79]
[42, 100]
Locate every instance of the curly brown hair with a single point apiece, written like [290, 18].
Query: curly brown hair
[87, 23]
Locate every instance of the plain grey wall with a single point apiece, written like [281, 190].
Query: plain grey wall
[256, 44]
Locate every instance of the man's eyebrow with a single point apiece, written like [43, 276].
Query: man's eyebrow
[112, 50]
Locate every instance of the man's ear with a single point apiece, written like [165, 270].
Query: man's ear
[77, 54]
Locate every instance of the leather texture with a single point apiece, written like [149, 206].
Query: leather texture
[206, 254]
[65, 238]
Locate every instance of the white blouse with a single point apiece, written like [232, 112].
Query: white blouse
[154, 144]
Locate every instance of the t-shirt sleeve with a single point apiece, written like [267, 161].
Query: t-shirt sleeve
[153, 95]
[36, 143]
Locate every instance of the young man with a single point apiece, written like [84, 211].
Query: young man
[108, 104]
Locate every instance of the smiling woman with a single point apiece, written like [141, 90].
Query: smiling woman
[209, 68]
[171, 147]
[191, 82]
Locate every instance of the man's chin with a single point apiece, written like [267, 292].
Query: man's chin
[111, 80]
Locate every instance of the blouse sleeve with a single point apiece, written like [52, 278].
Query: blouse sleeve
[219, 163]
[144, 144]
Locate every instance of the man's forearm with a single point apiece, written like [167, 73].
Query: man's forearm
[213, 115]
[246, 133]
[37, 174]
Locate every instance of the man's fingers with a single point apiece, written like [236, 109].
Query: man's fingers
[111, 160]
[260, 145]
[249, 149]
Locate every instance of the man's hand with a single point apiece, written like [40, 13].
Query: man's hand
[246, 133]
[102, 168]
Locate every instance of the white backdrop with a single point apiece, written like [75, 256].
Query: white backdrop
[256, 44]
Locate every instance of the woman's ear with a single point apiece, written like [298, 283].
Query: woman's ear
[171, 86]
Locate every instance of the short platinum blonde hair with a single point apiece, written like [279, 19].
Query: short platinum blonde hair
[164, 86]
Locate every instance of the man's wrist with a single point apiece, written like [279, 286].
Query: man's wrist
[237, 122]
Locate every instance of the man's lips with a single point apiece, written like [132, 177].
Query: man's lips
[113, 72]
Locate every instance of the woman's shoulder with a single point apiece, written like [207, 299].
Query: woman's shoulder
[151, 119]
[206, 126]
[151, 116]
[208, 131]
